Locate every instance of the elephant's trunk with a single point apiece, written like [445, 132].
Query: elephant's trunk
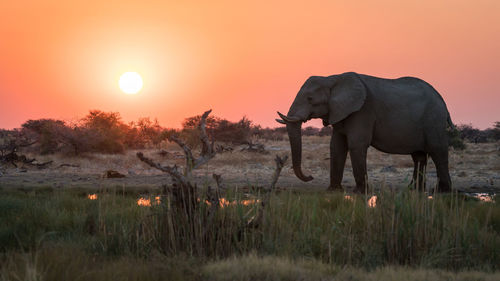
[295, 137]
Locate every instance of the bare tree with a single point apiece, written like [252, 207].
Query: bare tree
[183, 200]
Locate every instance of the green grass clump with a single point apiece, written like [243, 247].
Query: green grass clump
[405, 228]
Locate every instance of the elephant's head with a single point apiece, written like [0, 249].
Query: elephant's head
[330, 98]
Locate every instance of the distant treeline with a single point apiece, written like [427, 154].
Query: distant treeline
[105, 132]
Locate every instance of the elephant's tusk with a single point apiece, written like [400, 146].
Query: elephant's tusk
[288, 119]
[280, 121]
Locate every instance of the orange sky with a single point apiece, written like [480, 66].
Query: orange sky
[60, 60]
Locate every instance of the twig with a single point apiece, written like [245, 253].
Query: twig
[172, 171]
[280, 163]
[257, 220]
[42, 165]
[207, 149]
[68, 165]
[218, 181]
[187, 152]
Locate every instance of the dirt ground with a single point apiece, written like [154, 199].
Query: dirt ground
[476, 169]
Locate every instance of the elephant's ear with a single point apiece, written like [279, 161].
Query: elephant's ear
[347, 95]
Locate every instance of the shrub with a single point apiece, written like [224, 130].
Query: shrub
[146, 132]
[273, 134]
[310, 131]
[325, 131]
[454, 139]
[475, 135]
[219, 129]
[106, 131]
[48, 132]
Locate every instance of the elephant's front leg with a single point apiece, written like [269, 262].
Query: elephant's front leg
[358, 160]
[338, 155]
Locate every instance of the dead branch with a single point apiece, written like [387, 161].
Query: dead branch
[12, 157]
[163, 153]
[223, 148]
[112, 174]
[42, 165]
[218, 181]
[214, 199]
[172, 171]
[68, 165]
[280, 163]
[255, 147]
[257, 220]
[187, 152]
[207, 149]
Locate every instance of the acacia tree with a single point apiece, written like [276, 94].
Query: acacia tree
[106, 131]
[219, 129]
[47, 132]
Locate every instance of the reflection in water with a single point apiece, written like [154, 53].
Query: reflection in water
[485, 197]
[223, 202]
[143, 201]
[372, 202]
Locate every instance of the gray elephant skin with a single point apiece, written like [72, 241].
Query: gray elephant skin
[399, 116]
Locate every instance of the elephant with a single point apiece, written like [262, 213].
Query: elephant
[398, 116]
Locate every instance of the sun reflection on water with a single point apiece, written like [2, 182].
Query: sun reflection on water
[146, 201]
[223, 202]
[485, 197]
[372, 202]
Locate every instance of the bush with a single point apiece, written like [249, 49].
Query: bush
[454, 139]
[144, 132]
[48, 132]
[107, 131]
[272, 134]
[326, 131]
[310, 131]
[475, 135]
[219, 129]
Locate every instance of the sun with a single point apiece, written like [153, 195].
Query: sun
[130, 82]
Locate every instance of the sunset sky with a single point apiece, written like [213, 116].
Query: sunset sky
[59, 59]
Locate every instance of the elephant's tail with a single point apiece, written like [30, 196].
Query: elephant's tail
[450, 123]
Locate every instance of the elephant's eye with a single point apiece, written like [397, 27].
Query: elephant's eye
[309, 99]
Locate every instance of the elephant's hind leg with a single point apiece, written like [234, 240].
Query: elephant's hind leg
[420, 164]
[338, 155]
[440, 159]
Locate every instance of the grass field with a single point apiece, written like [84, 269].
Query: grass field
[51, 230]
[57, 234]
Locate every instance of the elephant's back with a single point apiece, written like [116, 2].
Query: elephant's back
[405, 93]
[405, 109]
[402, 87]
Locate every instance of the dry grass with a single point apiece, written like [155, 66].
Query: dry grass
[265, 268]
[71, 263]
[269, 268]
[477, 166]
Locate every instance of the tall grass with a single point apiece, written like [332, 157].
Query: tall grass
[405, 228]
